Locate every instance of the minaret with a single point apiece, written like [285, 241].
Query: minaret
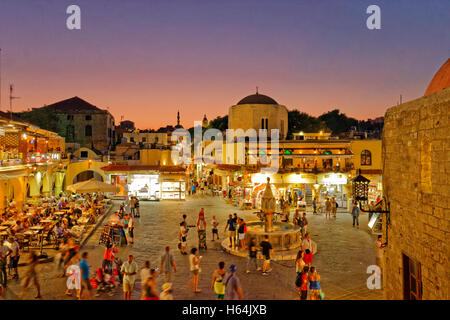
[204, 122]
[178, 118]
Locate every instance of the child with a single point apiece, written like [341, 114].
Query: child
[166, 293]
[308, 257]
[214, 224]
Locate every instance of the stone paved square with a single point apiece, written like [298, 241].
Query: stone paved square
[344, 253]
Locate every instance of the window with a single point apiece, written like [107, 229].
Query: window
[282, 129]
[366, 158]
[70, 133]
[144, 139]
[88, 131]
[88, 117]
[412, 279]
[70, 117]
[131, 139]
[264, 123]
[83, 154]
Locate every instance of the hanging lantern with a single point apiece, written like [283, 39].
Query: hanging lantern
[360, 188]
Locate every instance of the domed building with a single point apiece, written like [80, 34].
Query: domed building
[441, 79]
[258, 111]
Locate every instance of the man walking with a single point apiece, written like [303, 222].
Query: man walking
[167, 263]
[129, 270]
[231, 229]
[267, 251]
[15, 255]
[84, 274]
[355, 214]
[315, 205]
[333, 206]
[132, 205]
[5, 251]
[233, 289]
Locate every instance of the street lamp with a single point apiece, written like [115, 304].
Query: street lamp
[360, 187]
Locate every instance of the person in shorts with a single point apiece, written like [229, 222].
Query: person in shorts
[129, 270]
[231, 230]
[215, 231]
[266, 252]
[85, 283]
[15, 256]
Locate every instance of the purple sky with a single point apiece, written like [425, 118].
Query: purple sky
[144, 60]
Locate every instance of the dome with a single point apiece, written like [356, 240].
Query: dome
[441, 79]
[257, 99]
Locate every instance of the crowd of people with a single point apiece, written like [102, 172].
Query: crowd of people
[56, 221]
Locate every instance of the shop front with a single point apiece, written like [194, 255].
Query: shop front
[334, 185]
[148, 182]
[144, 186]
[173, 188]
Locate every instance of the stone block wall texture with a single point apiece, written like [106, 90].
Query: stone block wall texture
[416, 179]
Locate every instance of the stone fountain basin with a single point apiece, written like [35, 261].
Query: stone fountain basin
[285, 236]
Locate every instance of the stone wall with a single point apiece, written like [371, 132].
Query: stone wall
[416, 180]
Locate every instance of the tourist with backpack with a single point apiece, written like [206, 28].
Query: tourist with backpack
[217, 281]
[233, 290]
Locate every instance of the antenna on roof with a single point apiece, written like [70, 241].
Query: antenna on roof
[256, 90]
[400, 99]
[11, 98]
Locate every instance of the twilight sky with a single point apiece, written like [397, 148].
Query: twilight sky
[144, 60]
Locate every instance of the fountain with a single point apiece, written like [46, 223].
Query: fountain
[283, 236]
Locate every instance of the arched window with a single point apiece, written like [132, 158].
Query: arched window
[366, 158]
[88, 131]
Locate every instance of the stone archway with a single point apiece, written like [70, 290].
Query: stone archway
[19, 186]
[87, 175]
[75, 168]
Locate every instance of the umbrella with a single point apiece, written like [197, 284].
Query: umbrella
[91, 186]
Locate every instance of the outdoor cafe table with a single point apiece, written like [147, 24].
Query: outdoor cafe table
[46, 221]
[8, 223]
[3, 228]
[4, 235]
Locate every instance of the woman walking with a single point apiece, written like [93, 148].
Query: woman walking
[149, 287]
[252, 252]
[194, 262]
[31, 275]
[73, 279]
[314, 284]
[299, 262]
[217, 281]
[241, 233]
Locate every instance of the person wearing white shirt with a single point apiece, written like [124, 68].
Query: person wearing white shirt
[145, 271]
[129, 270]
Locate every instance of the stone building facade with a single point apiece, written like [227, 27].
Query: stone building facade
[80, 122]
[416, 181]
